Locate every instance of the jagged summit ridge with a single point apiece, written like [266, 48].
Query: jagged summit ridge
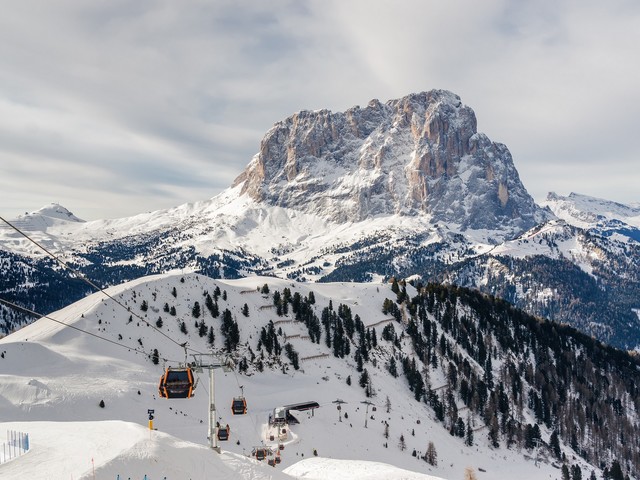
[420, 154]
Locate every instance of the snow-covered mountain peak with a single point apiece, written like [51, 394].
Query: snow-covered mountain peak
[591, 210]
[604, 216]
[45, 217]
[417, 155]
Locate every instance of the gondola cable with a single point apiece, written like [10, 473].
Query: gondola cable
[92, 284]
[40, 315]
[255, 425]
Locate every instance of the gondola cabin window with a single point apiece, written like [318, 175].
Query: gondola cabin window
[176, 383]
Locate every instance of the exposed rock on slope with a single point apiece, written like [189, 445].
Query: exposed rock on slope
[417, 154]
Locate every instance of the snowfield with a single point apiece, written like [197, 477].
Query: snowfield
[329, 469]
[87, 450]
[52, 379]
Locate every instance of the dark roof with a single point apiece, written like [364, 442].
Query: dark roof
[302, 406]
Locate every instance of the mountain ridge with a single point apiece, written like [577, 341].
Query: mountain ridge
[270, 223]
[417, 154]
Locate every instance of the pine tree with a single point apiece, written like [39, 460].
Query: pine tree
[174, 292]
[364, 379]
[402, 443]
[488, 372]
[230, 330]
[494, 432]
[208, 302]
[554, 444]
[576, 472]
[615, 473]
[202, 329]
[159, 322]
[389, 333]
[359, 363]
[211, 337]
[245, 310]
[431, 455]
[155, 357]
[460, 430]
[183, 328]
[392, 367]
[195, 311]
[368, 390]
[144, 306]
[292, 355]
[468, 439]
[265, 289]
[172, 311]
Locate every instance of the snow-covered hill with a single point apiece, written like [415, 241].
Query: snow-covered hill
[596, 215]
[53, 378]
[576, 208]
[108, 449]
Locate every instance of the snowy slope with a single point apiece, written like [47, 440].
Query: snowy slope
[600, 216]
[585, 211]
[233, 222]
[50, 373]
[87, 450]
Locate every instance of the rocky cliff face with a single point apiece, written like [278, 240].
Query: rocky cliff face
[420, 154]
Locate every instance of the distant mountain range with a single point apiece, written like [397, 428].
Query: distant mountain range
[406, 189]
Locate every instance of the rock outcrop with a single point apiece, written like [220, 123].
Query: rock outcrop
[420, 154]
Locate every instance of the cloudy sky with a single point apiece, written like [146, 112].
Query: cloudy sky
[116, 107]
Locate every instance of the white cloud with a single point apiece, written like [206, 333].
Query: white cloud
[150, 104]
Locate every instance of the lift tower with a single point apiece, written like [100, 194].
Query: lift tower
[209, 361]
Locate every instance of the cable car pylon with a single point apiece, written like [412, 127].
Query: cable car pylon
[206, 361]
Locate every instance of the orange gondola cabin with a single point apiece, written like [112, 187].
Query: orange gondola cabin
[176, 383]
[239, 406]
[223, 433]
[260, 453]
